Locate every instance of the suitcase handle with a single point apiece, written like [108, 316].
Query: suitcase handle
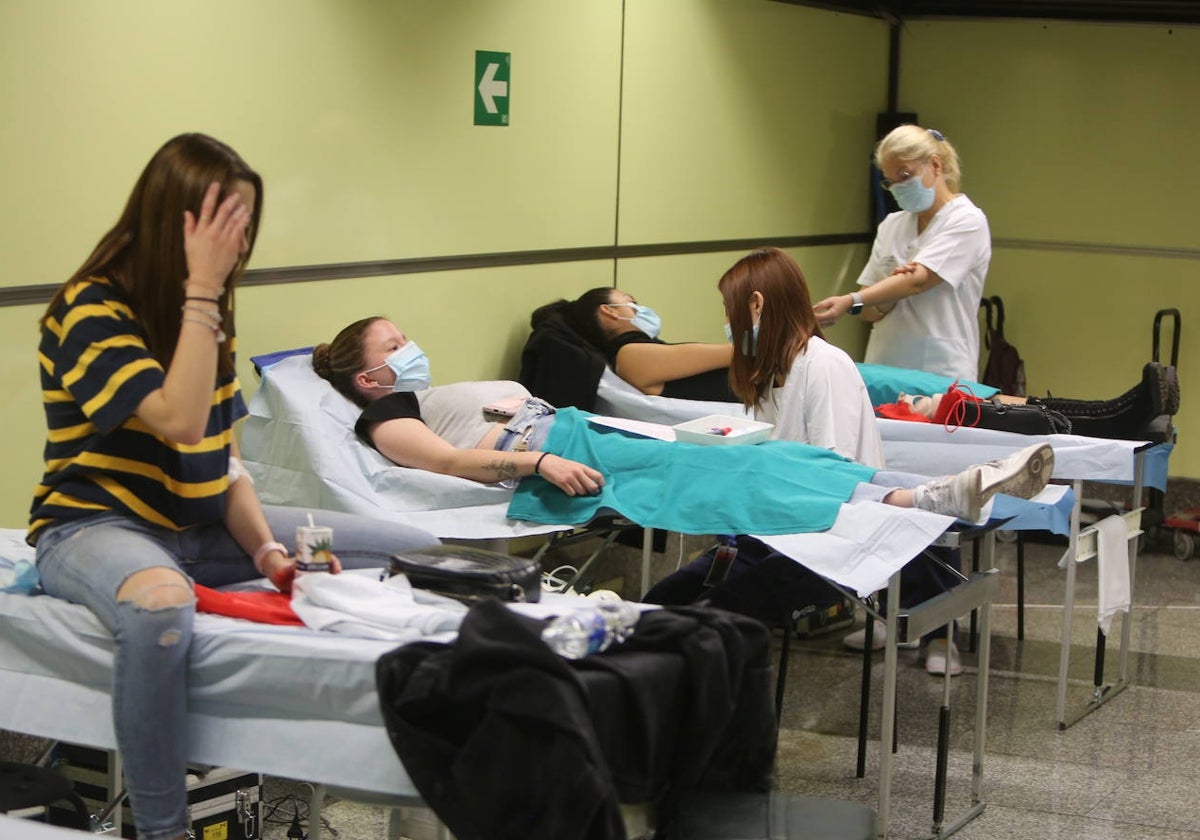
[1158, 316]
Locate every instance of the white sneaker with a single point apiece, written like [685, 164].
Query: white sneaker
[936, 658]
[858, 639]
[1023, 474]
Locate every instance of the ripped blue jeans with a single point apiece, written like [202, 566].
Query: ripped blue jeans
[88, 560]
[526, 431]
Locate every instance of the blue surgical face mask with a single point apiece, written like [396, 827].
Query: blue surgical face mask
[913, 196]
[411, 367]
[749, 345]
[644, 318]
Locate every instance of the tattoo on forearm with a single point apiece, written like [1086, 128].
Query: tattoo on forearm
[503, 469]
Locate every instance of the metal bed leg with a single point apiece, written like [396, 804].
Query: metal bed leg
[1020, 587]
[1098, 670]
[943, 741]
[647, 548]
[888, 715]
[315, 807]
[1064, 658]
[977, 803]
[864, 711]
[1139, 477]
[972, 637]
[785, 649]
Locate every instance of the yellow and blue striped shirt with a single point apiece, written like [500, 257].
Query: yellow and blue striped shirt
[95, 371]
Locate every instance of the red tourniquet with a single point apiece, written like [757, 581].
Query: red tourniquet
[264, 607]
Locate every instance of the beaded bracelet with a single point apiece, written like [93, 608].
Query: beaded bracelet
[213, 322]
[218, 333]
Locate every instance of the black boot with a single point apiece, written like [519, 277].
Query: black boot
[1127, 416]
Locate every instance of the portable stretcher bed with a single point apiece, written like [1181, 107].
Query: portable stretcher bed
[908, 446]
[287, 701]
[299, 445]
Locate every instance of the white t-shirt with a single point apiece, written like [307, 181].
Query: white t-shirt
[824, 402]
[937, 330]
[455, 412]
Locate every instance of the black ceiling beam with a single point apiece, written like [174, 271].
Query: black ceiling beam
[1116, 11]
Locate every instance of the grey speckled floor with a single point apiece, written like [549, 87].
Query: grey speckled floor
[1128, 770]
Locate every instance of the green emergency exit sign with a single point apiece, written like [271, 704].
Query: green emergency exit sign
[493, 80]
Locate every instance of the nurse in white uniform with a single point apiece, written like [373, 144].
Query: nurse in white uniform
[922, 286]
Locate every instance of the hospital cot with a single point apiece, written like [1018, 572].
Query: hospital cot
[304, 704]
[908, 446]
[926, 447]
[299, 445]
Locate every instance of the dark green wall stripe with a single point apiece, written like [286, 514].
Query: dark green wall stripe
[26, 295]
[1095, 248]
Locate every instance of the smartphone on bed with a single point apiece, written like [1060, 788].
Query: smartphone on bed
[506, 407]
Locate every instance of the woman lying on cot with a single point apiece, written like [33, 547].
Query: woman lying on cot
[445, 430]
[572, 340]
[611, 323]
[143, 492]
[1122, 418]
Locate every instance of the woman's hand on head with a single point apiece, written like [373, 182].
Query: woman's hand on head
[572, 477]
[214, 241]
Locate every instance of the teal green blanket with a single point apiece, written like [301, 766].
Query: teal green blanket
[884, 383]
[777, 487]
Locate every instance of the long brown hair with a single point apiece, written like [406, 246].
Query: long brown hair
[143, 254]
[341, 359]
[785, 325]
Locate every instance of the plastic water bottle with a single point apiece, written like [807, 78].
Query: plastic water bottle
[591, 629]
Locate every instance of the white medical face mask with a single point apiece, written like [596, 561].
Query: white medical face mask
[411, 367]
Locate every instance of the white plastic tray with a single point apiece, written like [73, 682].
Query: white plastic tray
[722, 430]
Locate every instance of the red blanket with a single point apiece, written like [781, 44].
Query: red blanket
[265, 607]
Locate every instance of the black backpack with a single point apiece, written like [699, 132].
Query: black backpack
[1005, 368]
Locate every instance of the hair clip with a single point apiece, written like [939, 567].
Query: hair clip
[937, 135]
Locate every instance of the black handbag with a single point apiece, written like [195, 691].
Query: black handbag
[1024, 419]
[469, 574]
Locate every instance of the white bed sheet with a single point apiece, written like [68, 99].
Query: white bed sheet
[617, 398]
[287, 701]
[913, 447]
[300, 448]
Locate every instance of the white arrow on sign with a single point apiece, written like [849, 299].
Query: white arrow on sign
[490, 88]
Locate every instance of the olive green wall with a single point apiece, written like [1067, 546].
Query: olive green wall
[648, 121]
[1079, 142]
[358, 115]
[744, 120]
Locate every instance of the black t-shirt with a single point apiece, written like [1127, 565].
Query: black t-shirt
[712, 385]
[395, 406]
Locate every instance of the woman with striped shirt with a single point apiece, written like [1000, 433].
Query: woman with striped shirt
[143, 491]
